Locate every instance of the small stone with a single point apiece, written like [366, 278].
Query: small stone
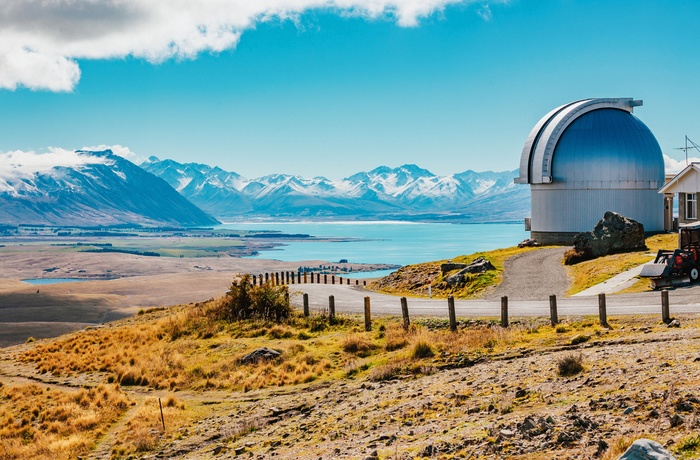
[676, 420]
[628, 411]
[520, 393]
[674, 323]
[507, 433]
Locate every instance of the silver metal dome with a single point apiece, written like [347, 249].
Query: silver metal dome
[588, 157]
[607, 149]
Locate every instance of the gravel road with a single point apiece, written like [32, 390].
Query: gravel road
[534, 275]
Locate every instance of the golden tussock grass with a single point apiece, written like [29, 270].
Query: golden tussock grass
[49, 424]
[144, 430]
[591, 272]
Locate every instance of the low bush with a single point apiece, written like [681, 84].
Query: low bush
[244, 301]
[422, 349]
[570, 365]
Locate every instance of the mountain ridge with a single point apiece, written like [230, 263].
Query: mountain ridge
[85, 188]
[407, 192]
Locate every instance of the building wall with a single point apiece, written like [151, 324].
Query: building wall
[573, 211]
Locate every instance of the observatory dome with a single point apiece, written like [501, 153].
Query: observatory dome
[586, 158]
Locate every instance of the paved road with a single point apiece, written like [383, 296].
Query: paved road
[533, 275]
[349, 299]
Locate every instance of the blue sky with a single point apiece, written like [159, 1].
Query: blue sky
[335, 91]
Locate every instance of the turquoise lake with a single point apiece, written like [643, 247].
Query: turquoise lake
[400, 243]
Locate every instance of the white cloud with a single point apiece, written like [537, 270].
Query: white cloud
[124, 152]
[18, 165]
[485, 12]
[675, 166]
[41, 40]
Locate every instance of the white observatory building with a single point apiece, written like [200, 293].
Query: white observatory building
[588, 157]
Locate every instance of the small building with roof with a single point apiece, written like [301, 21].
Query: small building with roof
[687, 185]
[588, 157]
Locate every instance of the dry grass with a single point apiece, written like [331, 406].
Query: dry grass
[144, 430]
[51, 424]
[591, 272]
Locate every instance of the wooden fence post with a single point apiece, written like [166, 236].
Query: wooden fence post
[318, 278]
[255, 280]
[451, 311]
[348, 281]
[340, 280]
[331, 308]
[306, 304]
[304, 277]
[332, 279]
[368, 318]
[602, 310]
[553, 309]
[665, 310]
[162, 419]
[504, 311]
[287, 276]
[277, 278]
[325, 279]
[267, 277]
[404, 312]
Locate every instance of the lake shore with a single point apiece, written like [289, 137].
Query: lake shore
[117, 285]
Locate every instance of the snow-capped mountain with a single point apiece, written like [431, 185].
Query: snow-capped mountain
[406, 192]
[86, 188]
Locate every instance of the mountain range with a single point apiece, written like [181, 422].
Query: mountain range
[407, 192]
[87, 188]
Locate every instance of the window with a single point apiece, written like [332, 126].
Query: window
[691, 206]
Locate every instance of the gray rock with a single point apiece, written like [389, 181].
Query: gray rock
[530, 242]
[646, 449]
[261, 354]
[479, 265]
[613, 233]
[450, 266]
[674, 323]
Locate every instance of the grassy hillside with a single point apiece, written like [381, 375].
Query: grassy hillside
[413, 280]
[339, 391]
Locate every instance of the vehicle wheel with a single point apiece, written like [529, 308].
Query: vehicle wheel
[694, 275]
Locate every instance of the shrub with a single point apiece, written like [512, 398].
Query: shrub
[422, 349]
[358, 345]
[570, 365]
[245, 301]
[574, 256]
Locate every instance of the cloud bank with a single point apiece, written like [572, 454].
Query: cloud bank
[18, 165]
[41, 40]
[675, 166]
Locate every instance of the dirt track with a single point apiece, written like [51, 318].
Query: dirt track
[534, 275]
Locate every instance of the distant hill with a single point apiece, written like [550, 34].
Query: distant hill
[87, 188]
[407, 192]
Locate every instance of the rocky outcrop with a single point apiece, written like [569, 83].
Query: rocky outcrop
[613, 233]
[261, 354]
[479, 265]
[646, 449]
[528, 243]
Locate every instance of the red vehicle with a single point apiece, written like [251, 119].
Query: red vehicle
[678, 266]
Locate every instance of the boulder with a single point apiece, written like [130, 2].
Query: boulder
[450, 266]
[646, 449]
[479, 265]
[613, 233]
[529, 242]
[261, 354]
